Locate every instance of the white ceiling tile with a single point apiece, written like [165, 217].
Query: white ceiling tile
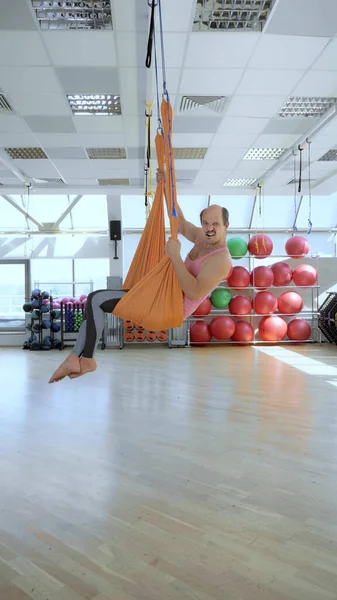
[324, 141]
[54, 140]
[42, 104]
[242, 125]
[131, 15]
[18, 140]
[178, 15]
[220, 50]
[268, 82]
[181, 163]
[81, 48]
[172, 81]
[132, 50]
[82, 182]
[98, 123]
[31, 80]
[101, 140]
[286, 51]
[304, 18]
[191, 140]
[233, 140]
[224, 158]
[37, 167]
[133, 91]
[19, 48]
[254, 106]
[252, 168]
[209, 81]
[211, 177]
[317, 83]
[327, 60]
[12, 124]
[276, 140]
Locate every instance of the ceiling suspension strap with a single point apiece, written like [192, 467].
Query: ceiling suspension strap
[309, 165]
[148, 60]
[148, 165]
[300, 175]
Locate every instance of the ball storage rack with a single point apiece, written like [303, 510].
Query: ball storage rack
[180, 337]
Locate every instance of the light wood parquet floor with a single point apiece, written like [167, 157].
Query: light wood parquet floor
[202, 474]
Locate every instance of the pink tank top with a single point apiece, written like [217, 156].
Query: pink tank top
[193, 267]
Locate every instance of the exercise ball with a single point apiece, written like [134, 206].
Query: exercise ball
[222, 328]
[272, 329]
[260, 245]
[45, 295]
[203, 309]
[239, 278]
[200, 332]
[83, 297]
[265, 303]
[299, 329]
[240, 305]
[27, 307]
[237, 247]
[283, 273]
[65, 300]
[220, 297]
[290, 303]
[297, 246]
[261, 277]
[244, 332]
[305, 276]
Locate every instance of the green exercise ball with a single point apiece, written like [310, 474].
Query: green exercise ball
[220, 297]
[237, 247]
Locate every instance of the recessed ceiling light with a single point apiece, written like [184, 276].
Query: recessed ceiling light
[73, 14]
[106, 153]
[189, 153]
[47, 180]
[309, 107]
[26, 153]
[95, 104]
[215, 103]
[113, 181]
[235, 15]
[331, 155]
[240, 182]
[263, 153]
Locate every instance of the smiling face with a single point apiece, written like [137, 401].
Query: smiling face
[214, 222]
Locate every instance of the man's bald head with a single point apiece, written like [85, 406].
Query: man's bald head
[213, 212]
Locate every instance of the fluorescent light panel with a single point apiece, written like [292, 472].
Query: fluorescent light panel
[95, 104]
[309, 107]
[73, 14]
[25, 153]
[234, 15]
[106, 153]
[331, 155]
[189, 153]
[240, 183]
[113, 182]
[263, 154]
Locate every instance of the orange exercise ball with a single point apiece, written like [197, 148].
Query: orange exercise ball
[272, 329]
[290, 303]
[265, 303]
[283, 273]
[222, 328]
[204, 308]
[305, 276]
[260, 245]
[299, 329]
[262, 277]
[240, 305]
[297, 246]
[239, 278]
[244, 332]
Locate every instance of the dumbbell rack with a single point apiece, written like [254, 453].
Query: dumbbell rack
[66, 331]
[327, 320]
[37, 344]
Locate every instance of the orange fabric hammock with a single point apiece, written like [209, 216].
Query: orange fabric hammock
[151, 247]
[156, 301]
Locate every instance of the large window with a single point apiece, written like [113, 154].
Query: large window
[67, 277]
[14, 290]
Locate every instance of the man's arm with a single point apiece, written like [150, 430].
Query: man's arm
[214, 270]
[187, 229]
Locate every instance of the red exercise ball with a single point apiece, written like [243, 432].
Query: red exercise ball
[299, 329]
[297, 246]
[262, 277]
[200, 332]
[283, 273]
[204, 308]
[290, 303]
[305, 276]
[244, 332]
[265, 303]
[222, 328]
[240, 305]
[260, 245]
[272, 329]
[239, 278]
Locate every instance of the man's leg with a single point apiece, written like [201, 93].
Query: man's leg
[98, 303]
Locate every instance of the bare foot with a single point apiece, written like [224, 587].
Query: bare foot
[87, 365]
[70, 365]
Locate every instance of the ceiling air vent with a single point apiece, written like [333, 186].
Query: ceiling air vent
[113, 181]
[233, 15]
[73, 14]
[189, 153]
[263, 154]
[214, 103]
[95, 104]
[47, 181]
[240, 183]
[26, 153]
[330, 156]
[4, 105]
[106, 153]
[308, 107]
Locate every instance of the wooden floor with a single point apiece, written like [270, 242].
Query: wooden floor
[202, 474]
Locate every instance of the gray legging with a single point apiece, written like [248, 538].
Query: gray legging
[98, 303]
